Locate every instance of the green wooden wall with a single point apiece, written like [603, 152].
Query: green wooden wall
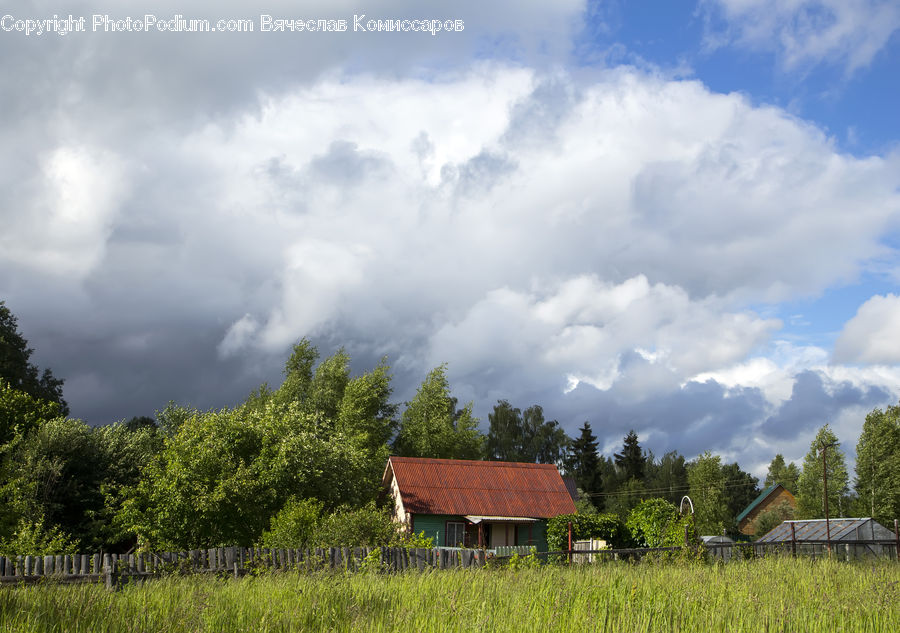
[434, 526]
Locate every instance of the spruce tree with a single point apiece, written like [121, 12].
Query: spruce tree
[630, 461]
[583, 462]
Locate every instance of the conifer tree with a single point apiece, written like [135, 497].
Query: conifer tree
[630, 461]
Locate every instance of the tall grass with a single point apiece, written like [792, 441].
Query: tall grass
[763, 595]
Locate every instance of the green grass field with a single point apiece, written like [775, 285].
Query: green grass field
[763, 595]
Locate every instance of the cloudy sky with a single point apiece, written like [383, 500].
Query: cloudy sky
[682, 218]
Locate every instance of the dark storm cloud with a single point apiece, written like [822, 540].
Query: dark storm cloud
[816, 401]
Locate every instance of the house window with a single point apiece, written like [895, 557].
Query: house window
[456, 534]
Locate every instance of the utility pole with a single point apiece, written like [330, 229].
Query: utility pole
[824, 448]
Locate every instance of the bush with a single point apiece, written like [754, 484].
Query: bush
[405, 539]
[362, 527]
[656, 523]
[608, 527]
[772, 518]
[37, 539]
[294, 525]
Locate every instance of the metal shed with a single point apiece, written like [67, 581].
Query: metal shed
[850, 538]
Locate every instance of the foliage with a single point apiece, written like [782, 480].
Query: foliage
[583, 461]
[772, 518]
[21, 413]
[413, 540]
[368, 526]
[529, 561]
[517, 436]
[627, 496]
[630, 462]
[608, 527]
[741, 489]
[810, 499]
[372, 563]
[304, 523]
[222, 475]
[667, 478]
[55, 474]
[786, 475]
[37, 539]
[878, 465]
[657, 523]
[583, 505]
[294, 525]
[430, 427]
[706, 479]
[75, 477]
[16, 368]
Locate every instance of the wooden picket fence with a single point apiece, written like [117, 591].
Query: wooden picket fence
[116, 568]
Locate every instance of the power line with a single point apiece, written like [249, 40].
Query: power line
[677, 489]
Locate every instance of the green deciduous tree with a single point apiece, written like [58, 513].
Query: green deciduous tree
[70, 477]
[524, 436]
[810, 498]
[225, 473]
[431, 427]
[627, 496]
[504, 437]
[20, 412]
[878, 465]
[706, 479]
[16, 368]
[786, 475]
[667, 478]
[741, 488]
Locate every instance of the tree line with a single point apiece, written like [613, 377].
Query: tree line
[304, 461]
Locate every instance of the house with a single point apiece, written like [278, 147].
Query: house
[474, 503]
[769, 499]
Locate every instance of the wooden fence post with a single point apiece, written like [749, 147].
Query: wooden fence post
[109, 572]
[897, 537]
[793, 541]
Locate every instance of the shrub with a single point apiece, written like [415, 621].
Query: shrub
[368, 526]
[405, 539]
[294, 525]
[36, 538]
[608, 527]
[656, 523]
[772, 518]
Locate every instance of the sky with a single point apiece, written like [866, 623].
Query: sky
[681, 218]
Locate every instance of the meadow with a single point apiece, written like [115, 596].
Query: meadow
[773, 594]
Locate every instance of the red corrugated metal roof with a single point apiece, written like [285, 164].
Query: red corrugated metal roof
[456, 486]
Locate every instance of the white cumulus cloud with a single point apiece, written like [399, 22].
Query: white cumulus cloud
[873, 335]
